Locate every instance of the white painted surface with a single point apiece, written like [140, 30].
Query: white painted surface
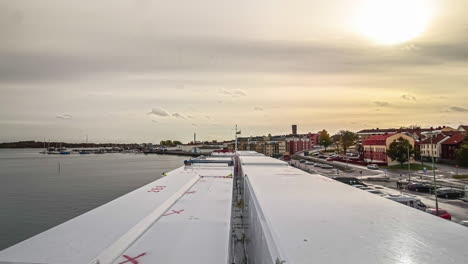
[85, 237]
[198, 234]
[261, 160]
[292, 216]
[314, 219]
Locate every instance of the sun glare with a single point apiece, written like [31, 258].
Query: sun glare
[393, 21]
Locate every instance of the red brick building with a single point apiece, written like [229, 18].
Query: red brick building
[296, 144]
[450, 146]
[375, 148]
[314, 138]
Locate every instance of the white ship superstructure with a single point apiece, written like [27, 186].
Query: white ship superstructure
[247, 208]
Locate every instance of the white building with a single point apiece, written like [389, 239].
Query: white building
[429, 150]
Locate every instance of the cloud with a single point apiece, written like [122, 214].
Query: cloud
[233, 93]
[191, 117]
[64, 116]
[458, 109]
[408, 97]
[159, 112]
[381, 103]
[410, 47]
[258, 108]
[239, 92]
[177, 115]
[225, 92]
[188, 55]
[195, 125]
[154, 121]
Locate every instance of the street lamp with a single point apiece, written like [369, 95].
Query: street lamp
[409, 159]
[409, 164]
[430, 134]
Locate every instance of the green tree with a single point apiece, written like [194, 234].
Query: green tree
[176, 142]
[462, 153]
[324, 139]
[336, 139]
[398, 151]
[348, 139]
[166, 143]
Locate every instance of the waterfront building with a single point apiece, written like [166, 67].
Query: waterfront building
[463, 128]
[375, 148]
[450, 146]
[429, 150]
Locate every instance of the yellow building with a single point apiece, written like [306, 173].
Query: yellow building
[376, 147]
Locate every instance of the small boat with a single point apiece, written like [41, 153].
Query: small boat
[64, 152]
[52, 151]
[85, 152]
[100, 151]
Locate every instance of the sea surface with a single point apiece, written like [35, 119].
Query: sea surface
[35, 195]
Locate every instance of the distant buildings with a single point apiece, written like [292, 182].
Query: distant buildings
[278, 145]
[463, 128]
[294, 130]
[372, 146]
[432, 148]
[375, 148]
[443, 147]
[450, 146]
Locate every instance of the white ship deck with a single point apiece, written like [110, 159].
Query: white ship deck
[304, 218]
[180, 217]
[285, 216]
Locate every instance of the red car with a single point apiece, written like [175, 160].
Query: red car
[442, 213]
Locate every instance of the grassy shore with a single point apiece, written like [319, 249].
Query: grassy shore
[460, 176]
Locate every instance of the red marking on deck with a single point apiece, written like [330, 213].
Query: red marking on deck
[132, 260]
[174, 212]
[156, 189]
[190, 192]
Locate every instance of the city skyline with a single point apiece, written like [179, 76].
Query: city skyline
[141, 71]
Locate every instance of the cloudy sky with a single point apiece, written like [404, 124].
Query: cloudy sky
[144, 71]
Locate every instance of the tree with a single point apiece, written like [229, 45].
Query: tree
[324, 139]
[398, 151]
[462, 153]
[336, 139]
[166, 143]
[348, 139]
[176, 142]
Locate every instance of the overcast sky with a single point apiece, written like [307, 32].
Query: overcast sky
[144, 71]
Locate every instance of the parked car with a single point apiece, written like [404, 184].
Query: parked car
[408, 200]
[302, 161]
[450, 193]
[373, 191]
[349, 180]
[329, 159]
[309, 163]
[373, 166]
[317, 165]
[464, 223]
[325, 166]
[419, 187]
[322, 157]
[441, 213]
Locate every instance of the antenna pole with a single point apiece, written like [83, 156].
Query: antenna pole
[235, 143]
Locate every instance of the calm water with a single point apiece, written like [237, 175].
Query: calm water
[34, 196]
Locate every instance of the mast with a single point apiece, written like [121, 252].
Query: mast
[235, 143]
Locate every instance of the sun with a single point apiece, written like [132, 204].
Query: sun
[393, 21]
